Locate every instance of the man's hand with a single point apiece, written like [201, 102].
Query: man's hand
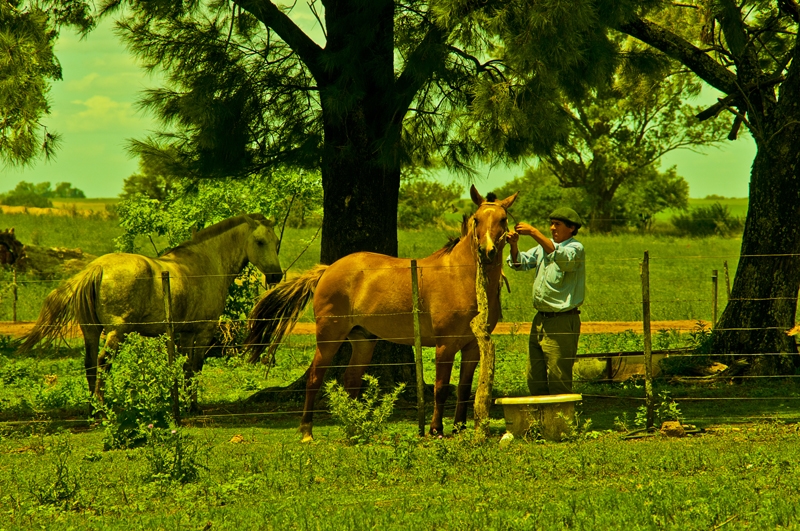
[512, 237]
[525, 229]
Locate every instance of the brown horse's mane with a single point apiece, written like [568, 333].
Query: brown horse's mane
[215, 230]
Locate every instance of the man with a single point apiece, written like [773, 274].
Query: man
[558, 291]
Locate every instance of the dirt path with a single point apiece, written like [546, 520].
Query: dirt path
[19, 328]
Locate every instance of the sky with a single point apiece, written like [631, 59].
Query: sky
[94, 110]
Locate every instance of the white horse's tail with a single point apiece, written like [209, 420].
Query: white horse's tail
[73, 301]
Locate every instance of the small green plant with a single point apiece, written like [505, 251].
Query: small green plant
[62, 487]
[138, 391]
[364, 417]
[171, 455]
[666, 409]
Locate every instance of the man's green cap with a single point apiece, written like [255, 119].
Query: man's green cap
[567, 215]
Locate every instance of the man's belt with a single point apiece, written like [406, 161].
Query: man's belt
[556, 314]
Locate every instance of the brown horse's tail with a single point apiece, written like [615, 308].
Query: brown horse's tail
[74, 300]
[275, 315]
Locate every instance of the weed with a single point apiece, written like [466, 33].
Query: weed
[137, 392]
[171, 455]
[62, 488]
[365, 417]
[666, 409]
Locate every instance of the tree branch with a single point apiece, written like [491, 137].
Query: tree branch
[680, 49]
[271, 16]
[422, 62]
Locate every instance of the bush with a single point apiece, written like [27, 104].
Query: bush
[365, 417]
[424, 203]
[712, 220]
[137, 391]
[171, 456]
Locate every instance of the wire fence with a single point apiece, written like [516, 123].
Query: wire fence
[664, 296]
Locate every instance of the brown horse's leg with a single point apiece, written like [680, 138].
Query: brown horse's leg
[470, 355]
[316, 374]
[359, 361]
[445, 354]
[91, 342]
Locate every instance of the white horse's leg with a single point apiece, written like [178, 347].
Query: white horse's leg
[91, 342]
[113, 339]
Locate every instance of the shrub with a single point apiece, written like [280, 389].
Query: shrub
[171, 456]
[137, 391]
[712, 220]
[424, 203]
[365, 417]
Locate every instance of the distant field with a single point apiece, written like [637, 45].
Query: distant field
[736, 205]
[95, 204]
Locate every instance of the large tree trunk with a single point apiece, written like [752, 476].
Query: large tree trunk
[763, 301]
[360, 166]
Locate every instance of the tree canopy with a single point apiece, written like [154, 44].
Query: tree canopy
[28, 65]
[749, 52]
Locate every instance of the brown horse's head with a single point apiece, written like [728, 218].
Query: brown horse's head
[490, 224]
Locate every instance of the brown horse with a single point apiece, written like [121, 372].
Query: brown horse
[364, 297]
[120, 293]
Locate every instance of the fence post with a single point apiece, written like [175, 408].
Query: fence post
[480, 328]
[727, 279]
[14, 294]
[176, 407]
[418, 349]
[648, 343]
[714, 292]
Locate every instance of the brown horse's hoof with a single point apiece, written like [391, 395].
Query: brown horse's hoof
[305, 430]
[436, 433]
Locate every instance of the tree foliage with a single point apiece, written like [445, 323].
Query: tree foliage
[424, 203]
[635, 203]
[748, 51]
[617, 136]
[28, 65]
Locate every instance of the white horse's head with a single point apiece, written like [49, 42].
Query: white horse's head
[262, 248]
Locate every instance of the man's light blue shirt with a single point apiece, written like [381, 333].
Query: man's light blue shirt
[560, 282]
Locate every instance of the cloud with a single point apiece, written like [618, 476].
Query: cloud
[101, 113]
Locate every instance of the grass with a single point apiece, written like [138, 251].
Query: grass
[255, 475]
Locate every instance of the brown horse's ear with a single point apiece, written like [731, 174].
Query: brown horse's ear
[508, 201]
[477, 198]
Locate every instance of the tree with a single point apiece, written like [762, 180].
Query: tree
[423, 203]
[635, 203]
[618, 134]
[28, 65]
[749, 52]
[395, 84]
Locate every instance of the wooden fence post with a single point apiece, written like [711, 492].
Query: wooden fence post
[480, 327]
[176, 407]
[714, 295]
[648, 343]
[418, 349]
[14, 294]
